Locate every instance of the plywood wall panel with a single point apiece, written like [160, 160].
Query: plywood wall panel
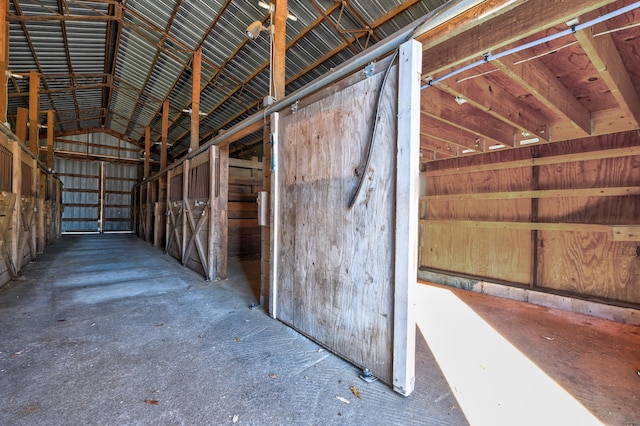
[590, 264]
[490, 253]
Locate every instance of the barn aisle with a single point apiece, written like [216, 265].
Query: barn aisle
[105, 329]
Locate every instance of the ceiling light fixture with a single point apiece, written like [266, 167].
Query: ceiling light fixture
[254, 30]
[190, 111]
[271, 8]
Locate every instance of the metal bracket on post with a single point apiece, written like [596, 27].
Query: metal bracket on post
[368, 70]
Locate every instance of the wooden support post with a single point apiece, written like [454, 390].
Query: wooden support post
[265, 230]
[212, 260]
[50, 131]
[218, 238]
[165, 132]
[148, 217]
[406, 217]
[168, 233]
[21, 124]
[16, 219]
[268, 292]
[278, 61]
[38, 206]
[274, 219]
[147, 151]
[34, 89]
[195, 99]
[185, 200]
[535, 186]
[4, 59]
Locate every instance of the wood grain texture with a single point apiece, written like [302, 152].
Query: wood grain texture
[335, 264]
[586, 220]
[591, 264]
[30, 216]
[492, 253]
[245, 181]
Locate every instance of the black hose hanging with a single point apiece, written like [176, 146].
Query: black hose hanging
[373, 131]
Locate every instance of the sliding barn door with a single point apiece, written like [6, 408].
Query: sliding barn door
[118, 181]
[96, 195]
[342, 273]
[80, 194]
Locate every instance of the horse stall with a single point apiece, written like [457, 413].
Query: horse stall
[30, 207]
[183, 209]
[165, 205]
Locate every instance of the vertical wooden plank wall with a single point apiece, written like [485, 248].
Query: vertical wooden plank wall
[335, 265]
[29, 207]
[245, 181]
[265, 231]
[174, 212]
[477, 218]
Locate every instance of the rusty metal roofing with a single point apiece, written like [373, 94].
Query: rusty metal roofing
[108, 65]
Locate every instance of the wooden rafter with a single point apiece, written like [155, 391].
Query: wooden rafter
[65, 40]
[334, 25]
[603, 54]
[538, 80]
[449, 134]
[157, 56]
[114, 32]
[444, 148]
[497, 102]
[489, 33]
[31, 47]
[257, 103]
[443, 106]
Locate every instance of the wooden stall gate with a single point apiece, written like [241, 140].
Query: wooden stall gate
[342, 275]
[197, 212]
[26, 187]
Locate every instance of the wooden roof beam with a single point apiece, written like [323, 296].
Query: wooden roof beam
[65, 40]
[449, 134]
[443, 106]
[538, 80]
[446, 149]
[494, 30]
[603, 54]
[499, 103]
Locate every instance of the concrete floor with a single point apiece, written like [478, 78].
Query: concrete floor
[104, 329]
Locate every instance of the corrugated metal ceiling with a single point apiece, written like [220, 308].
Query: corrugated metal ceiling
[110, 64]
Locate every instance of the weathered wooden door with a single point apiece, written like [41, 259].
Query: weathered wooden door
[341, 274]
[96, 195]
[80, 194]
[118, 181]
